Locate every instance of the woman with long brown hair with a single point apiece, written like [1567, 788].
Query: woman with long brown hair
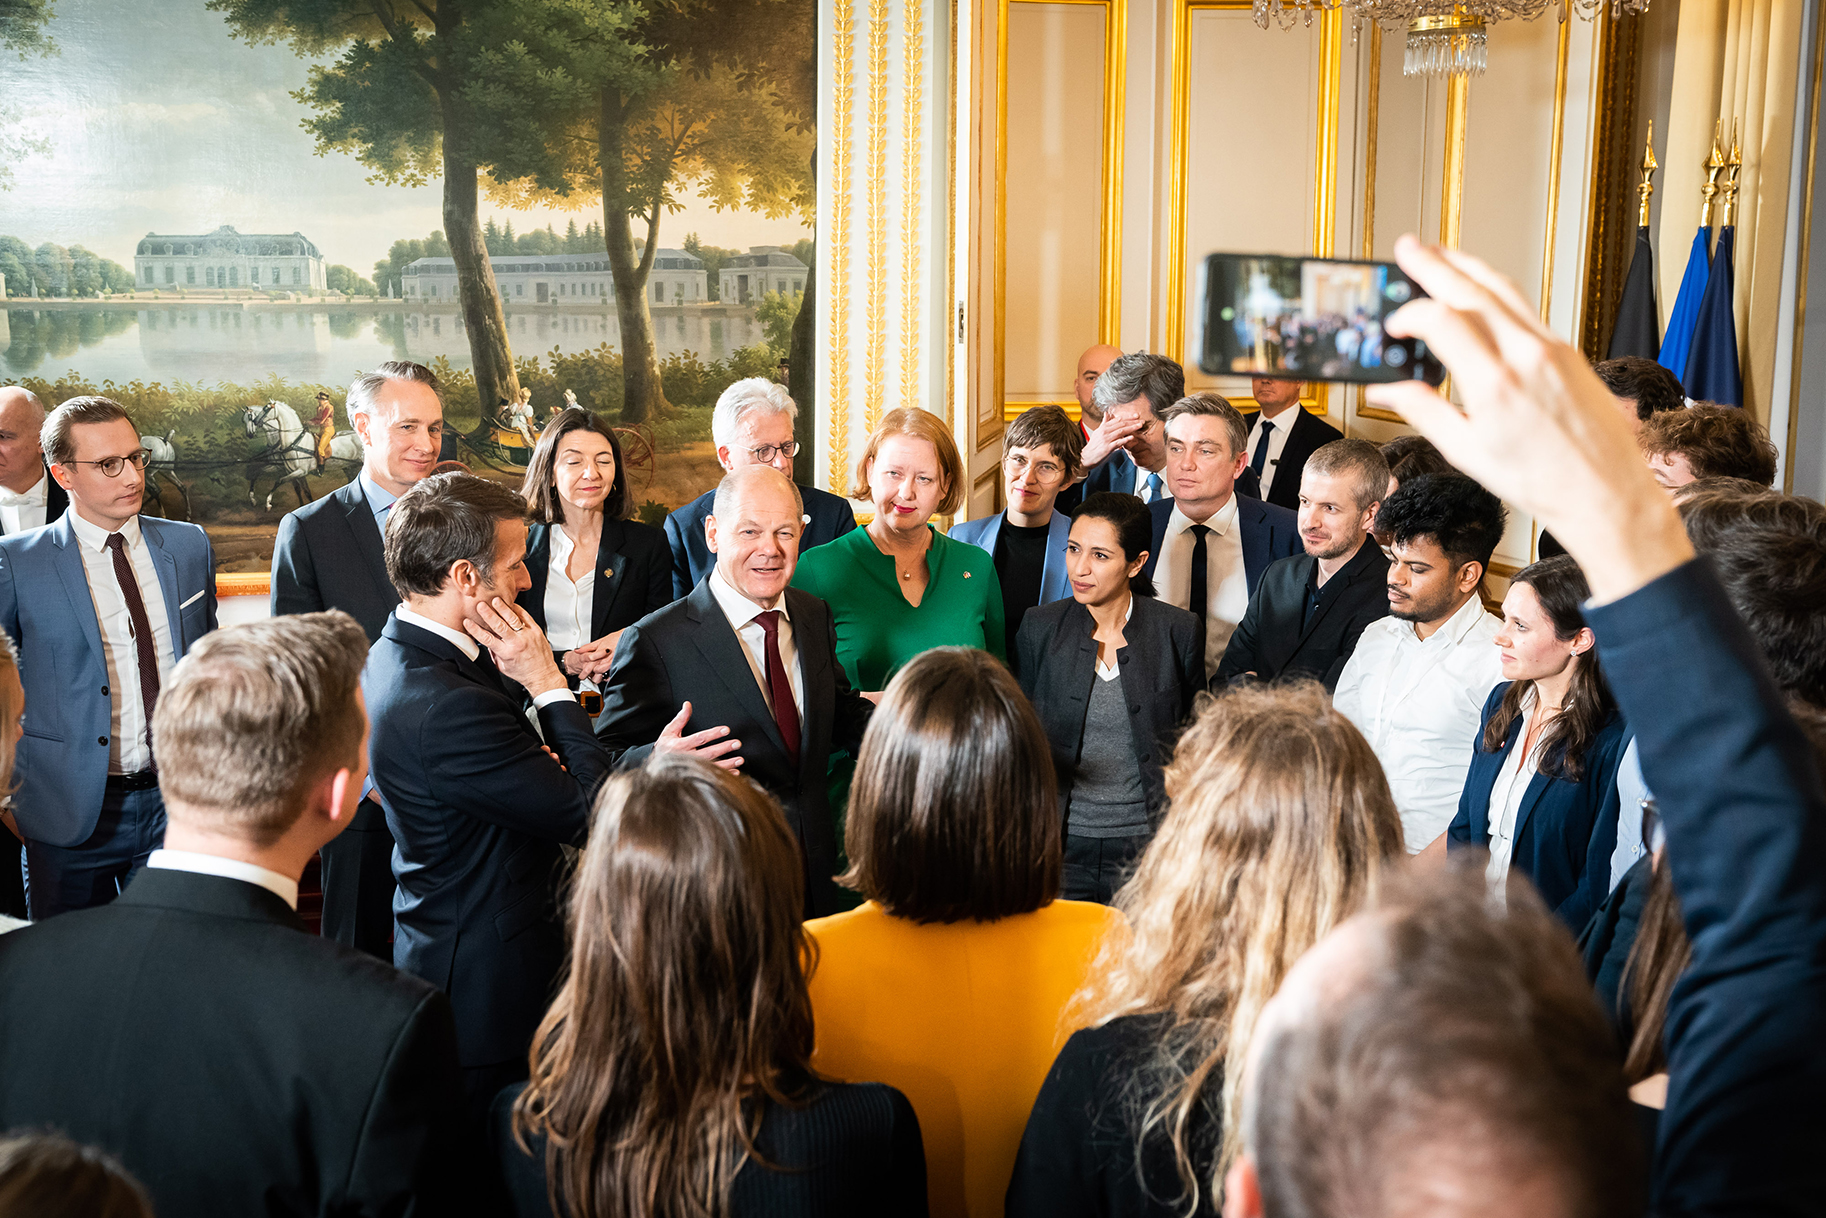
[1541, 793]
[671, 1077]
[1279, 826]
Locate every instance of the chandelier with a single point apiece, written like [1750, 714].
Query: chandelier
[1445, 37]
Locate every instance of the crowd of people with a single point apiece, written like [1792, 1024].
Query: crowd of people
[1190, 836]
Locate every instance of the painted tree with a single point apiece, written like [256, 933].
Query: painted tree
[630, 104]
[396, 99]
[22, 33]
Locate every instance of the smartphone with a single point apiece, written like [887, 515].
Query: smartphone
[1308, 319]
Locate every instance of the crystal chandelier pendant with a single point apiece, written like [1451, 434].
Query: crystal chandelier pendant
[1454, 44]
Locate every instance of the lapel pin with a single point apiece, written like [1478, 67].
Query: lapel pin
[608, 572]
[966, 575]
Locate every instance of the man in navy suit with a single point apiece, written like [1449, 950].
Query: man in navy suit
[328, 556]
[1309, 611]
[1281, 437]
[101, 604]
[478, 803]
[1212, 545]
[1040, 458]
[752, 425]
[1127, 452]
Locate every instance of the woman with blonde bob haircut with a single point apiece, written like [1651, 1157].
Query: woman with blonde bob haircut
[1279, 826]
[899, 586]
[670, 1078]
[951, 981]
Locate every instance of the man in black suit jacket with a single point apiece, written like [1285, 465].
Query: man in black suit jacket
[328, 556]
[478, 804]
[234, 1062]
[1281, 437]
[1307, 614]
[753, 425]
[1211, 545]
[771, 684]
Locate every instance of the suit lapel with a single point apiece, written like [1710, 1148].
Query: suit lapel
[1537, 787]
[1054, 583]
[76, 586]
[611, 574]
[1333, 591]
[1256, 545]
[56, 499]
[167, 565]
[816, 674]
[360, 519]
[716, 642]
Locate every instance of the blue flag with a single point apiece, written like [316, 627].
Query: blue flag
[1679, 339]
[1712, 372]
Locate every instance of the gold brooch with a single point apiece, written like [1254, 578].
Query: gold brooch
[966, 575]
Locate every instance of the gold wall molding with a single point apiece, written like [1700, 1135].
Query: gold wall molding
[913, 98]
[1247, 406]
[1331, 45]
[1553, 169]
[1374, 107]
[1452, 182]
[874, 365]
[843, 92]
[1109, 307]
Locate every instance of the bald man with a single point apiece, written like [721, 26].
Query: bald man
[29, 496]
[1090, 366]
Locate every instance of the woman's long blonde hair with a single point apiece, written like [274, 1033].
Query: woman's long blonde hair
[1279, 826]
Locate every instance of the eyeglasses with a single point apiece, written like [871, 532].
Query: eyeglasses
[766, 453]
[1046, 471]
[112, 466]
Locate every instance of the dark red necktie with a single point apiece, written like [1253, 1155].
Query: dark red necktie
[786, 711]
[142, 628]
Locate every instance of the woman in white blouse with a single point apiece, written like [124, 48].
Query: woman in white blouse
[594, 572]
[1541, 793]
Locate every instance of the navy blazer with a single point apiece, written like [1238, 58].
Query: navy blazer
[1268, 532]
[328, 555]
[1055, 584]
[478, 810]
[633, 574]
[1162, 670]
[1273, 640]
[829, 517]
[61, 767]
[687, 652]
[1739, 789]
[1565, 830]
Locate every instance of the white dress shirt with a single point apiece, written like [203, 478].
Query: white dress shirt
[1277, 441]
[283, 887]
[1420, 705]
[129, 737]
[1632, 789]
[473, 650]
[1226, 580]
[19, 512]
[567, 604]
[1506, 796]
[741, 613]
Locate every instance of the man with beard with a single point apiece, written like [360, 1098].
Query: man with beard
[1416, 684]
[1305, 616]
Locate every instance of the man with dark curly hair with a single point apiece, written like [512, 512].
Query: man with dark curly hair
[1416, 684]
[1707, 441]
[1641, 386]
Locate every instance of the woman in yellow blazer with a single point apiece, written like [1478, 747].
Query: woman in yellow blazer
[950, 981]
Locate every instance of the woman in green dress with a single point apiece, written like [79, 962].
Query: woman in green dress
[900, 587]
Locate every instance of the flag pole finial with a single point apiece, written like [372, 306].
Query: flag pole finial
[1715, 163]
[1733, 166]
[1646, 187]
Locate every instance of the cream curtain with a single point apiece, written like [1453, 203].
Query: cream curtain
[1735, 60]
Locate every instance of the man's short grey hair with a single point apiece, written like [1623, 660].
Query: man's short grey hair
[755, 395]
[1141, 375]
[364, 388]
[1211, 406]
[737, 481]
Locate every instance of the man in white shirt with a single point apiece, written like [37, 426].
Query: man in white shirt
[101, 604]
[29, 496]
[1417, 683]
[681, 666]
[234, 1061]
[1281, 437]
[1211, 545]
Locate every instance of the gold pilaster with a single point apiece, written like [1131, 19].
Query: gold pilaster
[1452, 185]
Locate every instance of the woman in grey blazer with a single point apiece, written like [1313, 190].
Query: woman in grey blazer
[1112, 673]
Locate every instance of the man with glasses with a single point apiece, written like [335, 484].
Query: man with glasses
[1040, 458]
[101, 604]
[752, 425]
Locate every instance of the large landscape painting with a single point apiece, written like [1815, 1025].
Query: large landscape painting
[214, 210]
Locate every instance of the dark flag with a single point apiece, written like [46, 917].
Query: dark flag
[1712, 372]
[1679, 339]
[1638, 328]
